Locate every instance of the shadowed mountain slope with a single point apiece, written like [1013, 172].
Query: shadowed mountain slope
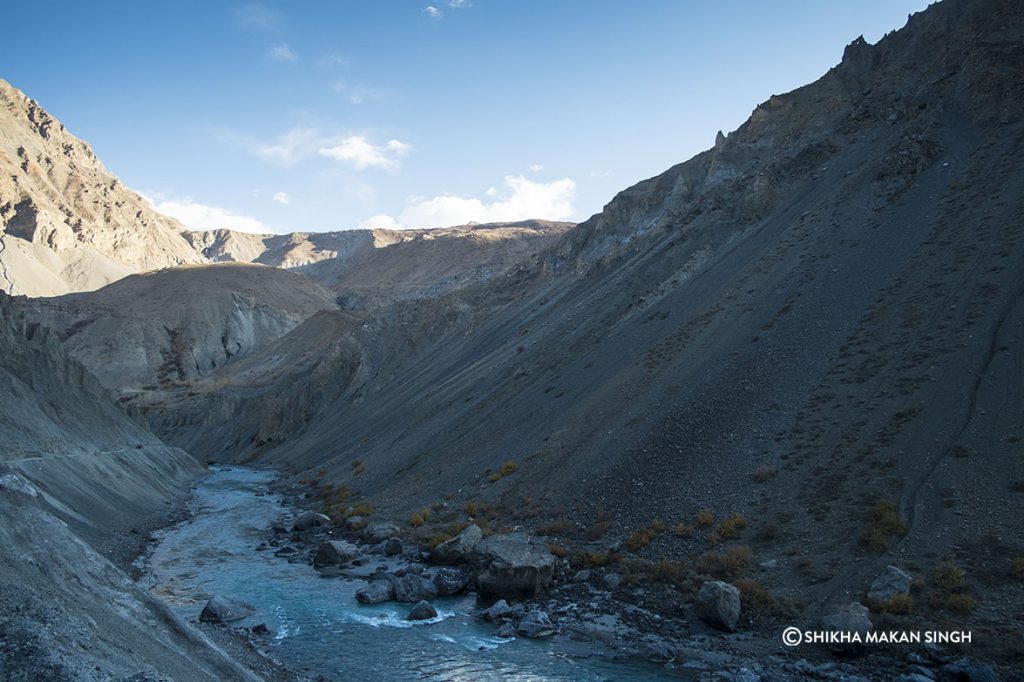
[818, 316]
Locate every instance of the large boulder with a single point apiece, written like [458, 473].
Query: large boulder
[892, 583]
[222, 609]
[513, 566]
[850, 619]
[375, 592]
[459, 549]
[967, 670]
[423, 610]
[449, 581]
[379, 531]
[335, 553]
[308, 520]
[535, 624]
[411, 588]
[392, 546]
[718, 605]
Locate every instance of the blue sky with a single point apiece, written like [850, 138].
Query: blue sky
[310, 116]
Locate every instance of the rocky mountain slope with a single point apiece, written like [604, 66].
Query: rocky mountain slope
[813, 327]
[77, 478]
[375, 267]
[68, 224]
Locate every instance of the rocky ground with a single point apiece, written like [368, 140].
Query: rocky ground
[710, 629]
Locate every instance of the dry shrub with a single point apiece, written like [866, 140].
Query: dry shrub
[728, 529]
[883, 522]
[705, 517]
[558, 550]
[764, 474]
[417, 519]
[753, 595]
[725, 565]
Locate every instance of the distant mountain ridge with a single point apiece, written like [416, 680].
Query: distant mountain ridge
[69, 225]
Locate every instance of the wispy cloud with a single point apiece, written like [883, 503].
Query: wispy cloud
[520, 199]
[536, 168]
[282, 53]
[282, 198]
[435, 12]
[198, 216]
[284, 150]
[362, 154]
[257, 16]
[356, 94]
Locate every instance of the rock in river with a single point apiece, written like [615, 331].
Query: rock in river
[513, 566]
[225, 609]
[422, 611]
[375, 592]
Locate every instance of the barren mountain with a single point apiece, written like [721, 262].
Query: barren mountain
[374, 267]
[814, 325]
[68, 224]
[169, 326]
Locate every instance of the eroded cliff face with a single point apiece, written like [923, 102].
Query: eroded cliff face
[169, 327]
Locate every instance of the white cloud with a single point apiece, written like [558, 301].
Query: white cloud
[361, 154]
[599, 173]
[536, 168]
[197, 216]
[282, 53]
[522, 199]
[457, 4]
[433, 12]
[380, 222]
[282, 198]
[257, 16]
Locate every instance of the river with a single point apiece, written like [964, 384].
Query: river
[318, 627]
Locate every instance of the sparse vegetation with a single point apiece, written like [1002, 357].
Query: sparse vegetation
[765, 473]
[358, 467]
[556, 527]
[705, 517]
[1017, 568]
[753, 595]
[950, 584]
[362, 509]
[728, 529]
[558, 550]
[591, 559]
[668, 572]
[417, 519]
[883, 523]
[643, 537]
[507, 469]
[725, 565]
[900, 604]
[438, 539]
[470, 508]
